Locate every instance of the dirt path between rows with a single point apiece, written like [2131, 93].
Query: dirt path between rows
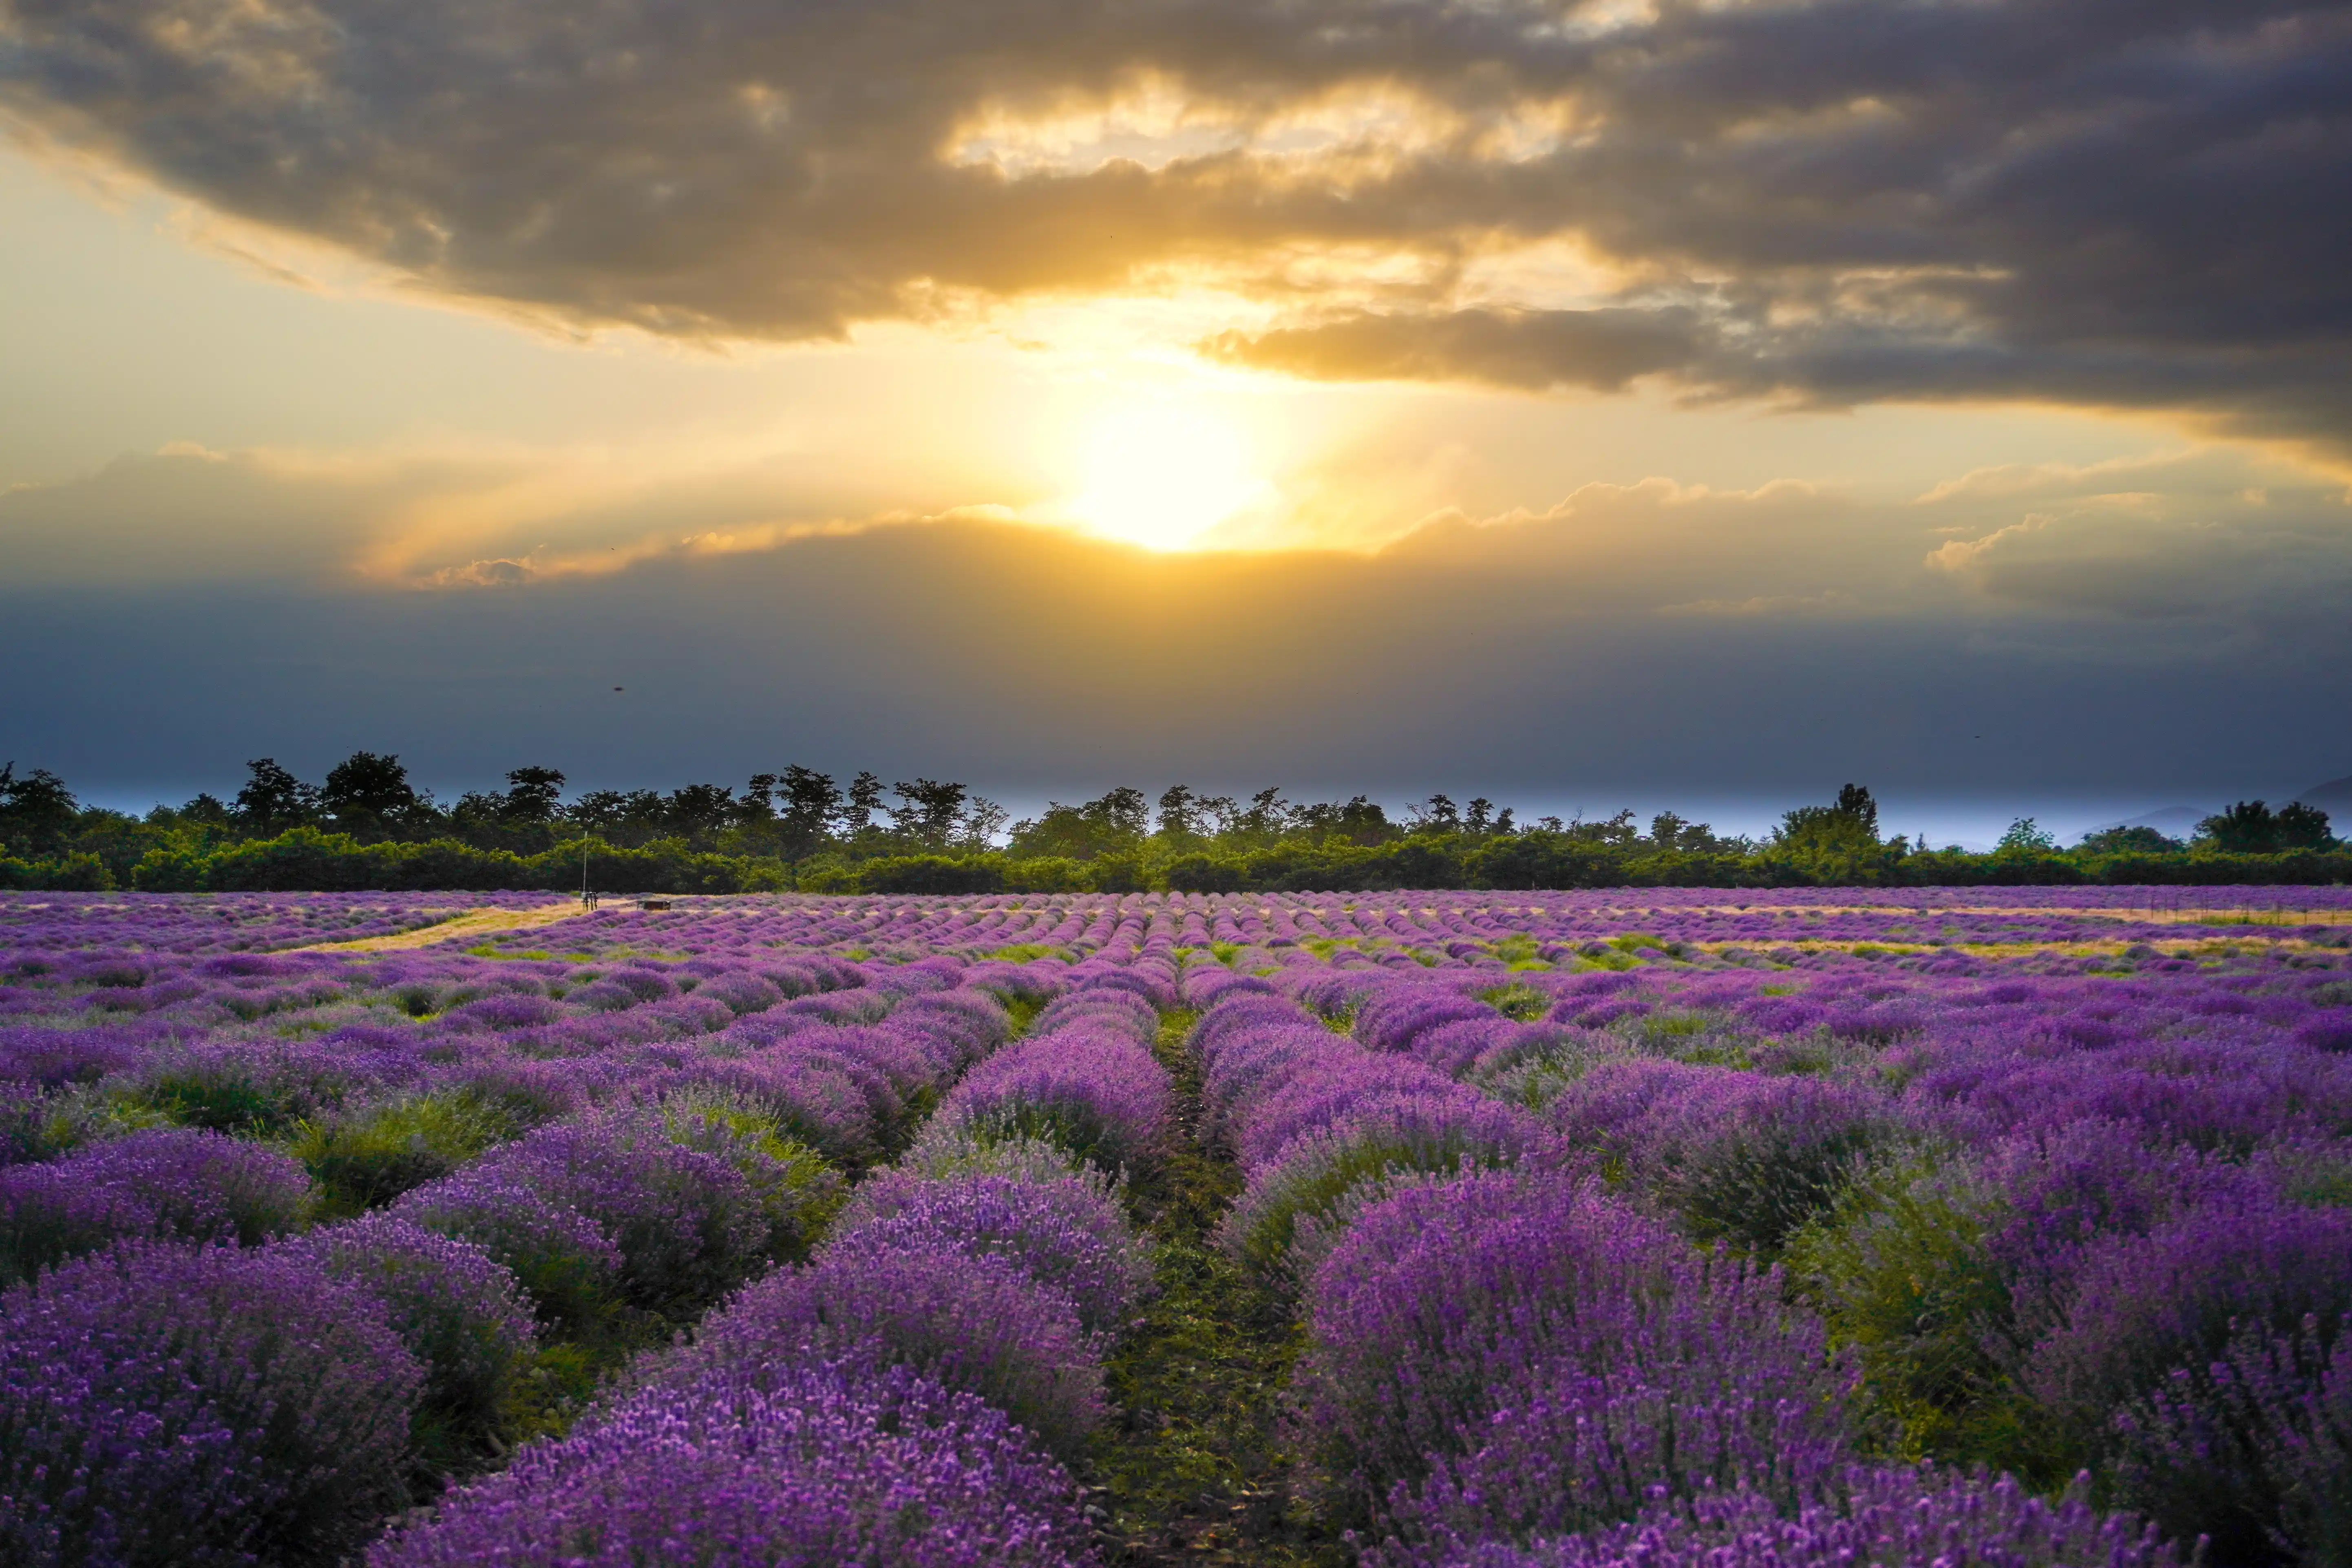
[1196, 1469]
[477, 922]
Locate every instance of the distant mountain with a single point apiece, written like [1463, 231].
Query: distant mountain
[2173, 821]
[2334, 797]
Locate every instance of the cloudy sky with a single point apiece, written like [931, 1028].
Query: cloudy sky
[1592, 405]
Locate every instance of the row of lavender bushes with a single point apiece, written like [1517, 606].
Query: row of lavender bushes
[1580, 1291]
[1435, 928]
[914, 1393]
[190, 1373]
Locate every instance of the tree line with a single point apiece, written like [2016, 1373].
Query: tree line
[366, 825]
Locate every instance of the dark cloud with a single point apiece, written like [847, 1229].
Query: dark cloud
[2100, 634]
[2295, 391]
[2145, 201]
[1047, 664]
[1542, 350]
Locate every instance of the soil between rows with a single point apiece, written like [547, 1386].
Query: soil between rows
[1194, 1467]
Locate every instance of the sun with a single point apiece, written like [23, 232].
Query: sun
[1161, 476]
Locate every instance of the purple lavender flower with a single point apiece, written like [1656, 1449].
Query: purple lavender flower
[163, 1181]
[2253, 1451]
[1207, 983]
[1393, 1018]
[797, 1193]
[861, 1007]
[742, 993]
[29, 1124]
[1451, 1300]
[960, 1025]
[686, 1225]
[493, 1014]
[1062, 1231]
[1121, 1011]
[806, 1461]
[1315, 1171]
[979, 1323]
[1342, 1085]
[1740, 1157]
[2141, 1306]
[54, 1057]
[164, 1405]
[459, 1310]
[1573, 1448]
[1102, 1096]
[565, 1263]
[818, 1097]
[1900, 1517]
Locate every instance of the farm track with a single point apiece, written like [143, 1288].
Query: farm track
[478, 922]
[1193, 1468]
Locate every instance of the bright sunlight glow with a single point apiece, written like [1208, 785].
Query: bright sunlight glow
[1161, 476]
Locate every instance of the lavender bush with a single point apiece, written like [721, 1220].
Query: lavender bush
[978, 1324]
[2145, 1306]
[565, 1263]
[460, 1313]
[164, 1181]
[686, 1226]
[813, 1462]
[162, 1404]
[1898, 1518]
[1497, 1319]
[796, 1192]
[1738, 1157]
[1060, 1231]
[367, 1158]
[1099, 1094]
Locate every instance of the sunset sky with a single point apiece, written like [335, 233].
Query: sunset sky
[1586, 405]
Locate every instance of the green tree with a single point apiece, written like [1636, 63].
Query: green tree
[2301, 827]
[811, 803]
[865, 800]
[273, 800]
[2127, 841]
[2246, 827]
[1266, 817]
[36, 811]
[1358, 819]
[982, 820]
[929, 811]
[619, 816]
[1617, 832]
[2026, 836]
[1113, 822]
[205, 811]
[1179, 813]
[534, 796]
[1482, 818]
[1836, 843]
[696, 811]
[1438, 814]
[1854, 800]
[367, 793]
[759, 803]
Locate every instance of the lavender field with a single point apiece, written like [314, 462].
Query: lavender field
[1425, 1230]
